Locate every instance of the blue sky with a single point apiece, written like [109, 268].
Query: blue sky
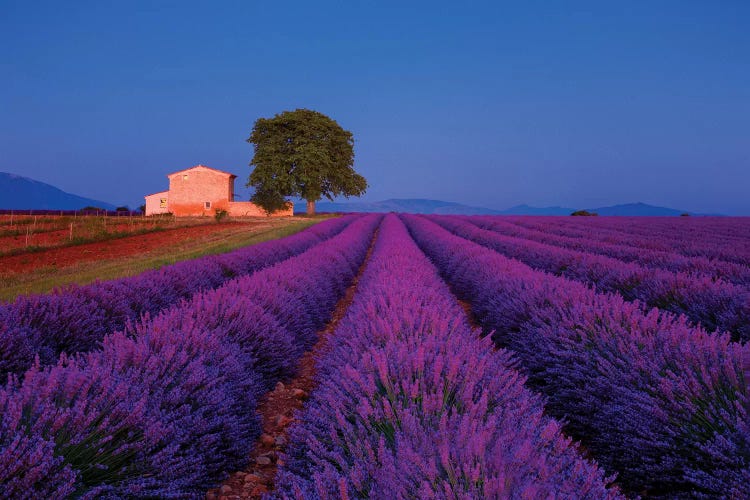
[491, 104]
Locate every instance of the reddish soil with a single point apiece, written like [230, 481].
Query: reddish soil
[39, 227]
[277, 410]
[46, 238]
[17, 240]
[111, 249]
[466, 306]
[54, 237]
[53, 231]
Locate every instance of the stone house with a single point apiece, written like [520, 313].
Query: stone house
[201, 190]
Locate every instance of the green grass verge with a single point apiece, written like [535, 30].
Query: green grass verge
[45, 279]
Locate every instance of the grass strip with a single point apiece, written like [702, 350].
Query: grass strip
[45, 279]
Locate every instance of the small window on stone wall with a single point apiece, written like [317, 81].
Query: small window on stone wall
[184, 177]
[208, 204]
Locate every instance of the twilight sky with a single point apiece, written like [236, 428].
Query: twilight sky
[574, 103]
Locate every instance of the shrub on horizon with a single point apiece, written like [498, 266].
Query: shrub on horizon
[584, 213]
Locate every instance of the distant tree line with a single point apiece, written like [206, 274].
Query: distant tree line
[584, 213]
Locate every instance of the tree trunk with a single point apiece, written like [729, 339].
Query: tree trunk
[310, 207]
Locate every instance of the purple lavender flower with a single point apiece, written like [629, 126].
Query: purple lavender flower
[168, 407]
[654, 399]
[413, 404]
[714, 304]
[76, 318]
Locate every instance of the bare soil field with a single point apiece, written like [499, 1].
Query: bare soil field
[116, 247]
[40, 270]
[32, 233]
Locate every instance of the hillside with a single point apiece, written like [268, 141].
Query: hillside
[22, 193]
[528, 210]
[636, 209]
[424, 206]
[19, 193]
[414, 206]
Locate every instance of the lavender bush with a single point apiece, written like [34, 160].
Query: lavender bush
[654, 399]
[166, 409]
[413, 404]
[76, 318]
[721, 238]
[715, 305]
[588, 239]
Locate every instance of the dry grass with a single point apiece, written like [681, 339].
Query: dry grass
[45, 279]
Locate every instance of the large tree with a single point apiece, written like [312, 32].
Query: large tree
[302, 153]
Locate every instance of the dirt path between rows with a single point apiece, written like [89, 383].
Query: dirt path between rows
[277, 410]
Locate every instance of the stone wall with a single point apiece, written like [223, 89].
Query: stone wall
[247, 209]
[154, 203]
[201, 191]
[191, 190]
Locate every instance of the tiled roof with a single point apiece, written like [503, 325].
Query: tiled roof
[158, 192]
[201, 166]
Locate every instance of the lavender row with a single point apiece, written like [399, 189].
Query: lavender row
[692, 238]
[75, 319]
[589, 242]
[414, 404]
[165, 410]
[654, 399]
[715, 305]
[713, 229]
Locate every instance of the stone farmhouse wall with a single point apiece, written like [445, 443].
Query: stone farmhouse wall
[201, 191]
[157, 203]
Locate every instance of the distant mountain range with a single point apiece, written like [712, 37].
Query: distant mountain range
[529, 210]
[19, 193]
[421, 206]
[414, 206]
[636, 209]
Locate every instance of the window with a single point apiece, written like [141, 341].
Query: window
[208, 204]
[162, 203]
[184, 177]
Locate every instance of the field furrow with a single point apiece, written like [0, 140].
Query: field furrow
[277, 407]
[659, 402]
[587, 242]
[165, 409]
[409, 356]
[701, 237]
[715, 305]
[75, 319]
[412, 403]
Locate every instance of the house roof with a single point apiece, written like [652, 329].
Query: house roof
[201, 166]
[154, 194]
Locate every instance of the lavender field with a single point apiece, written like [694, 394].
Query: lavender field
[478, 357]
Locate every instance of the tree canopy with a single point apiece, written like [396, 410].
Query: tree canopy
[302, 153]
